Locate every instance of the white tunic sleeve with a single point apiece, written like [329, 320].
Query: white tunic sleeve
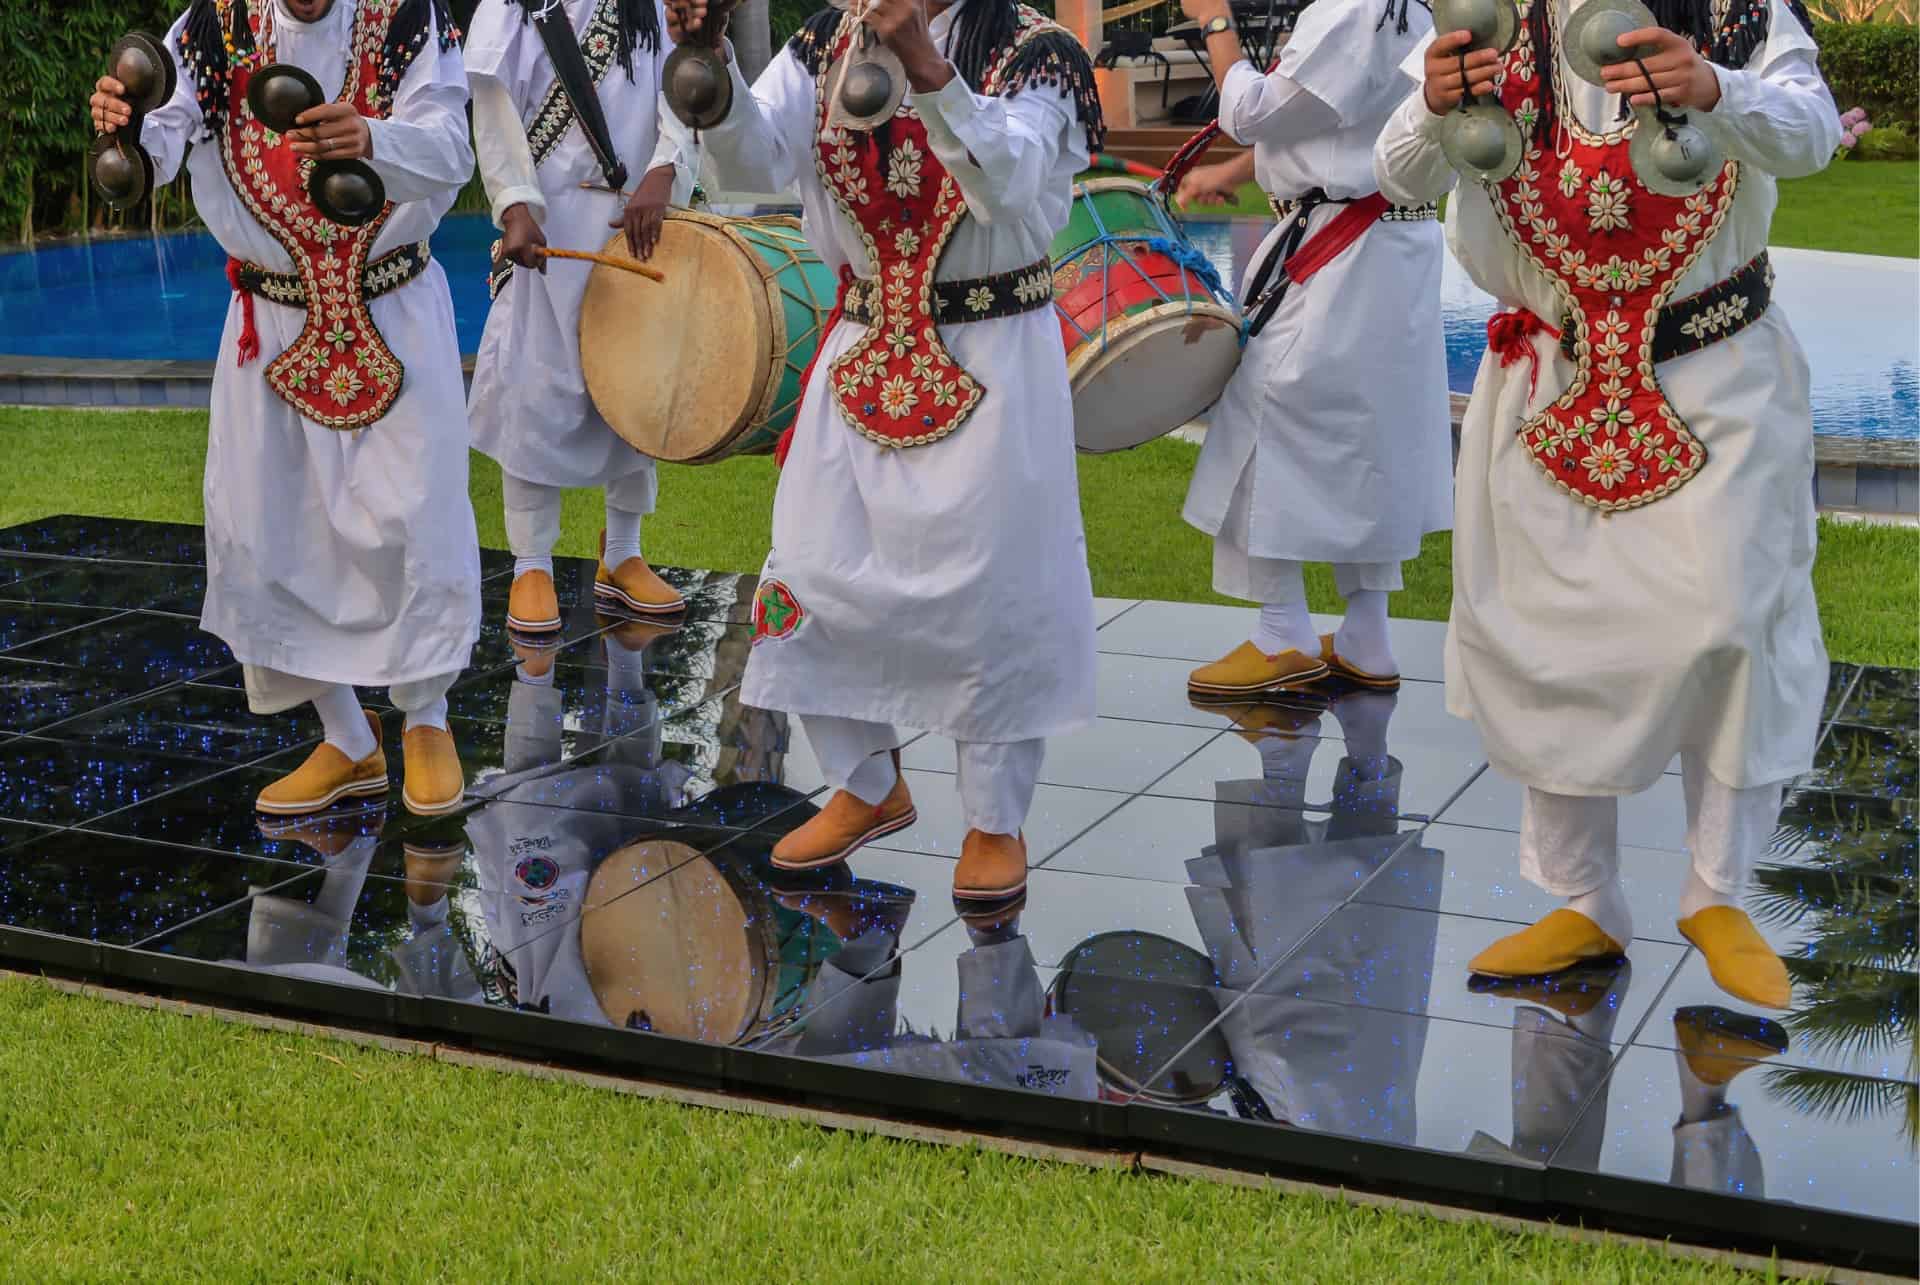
[681, 154]
[766, 139]
[506, 158]
[1003, 152]
[1778, 114]
[1271, 108]
[422, 149]
[1407, 160]
[167, 131]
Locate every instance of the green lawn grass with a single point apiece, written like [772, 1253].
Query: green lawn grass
[147, 465]
[1862, 207]
[155, 1146]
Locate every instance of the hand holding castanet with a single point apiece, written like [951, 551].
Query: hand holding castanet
[902, 26]
[1444, 86]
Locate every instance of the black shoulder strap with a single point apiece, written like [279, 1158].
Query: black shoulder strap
[576, 80]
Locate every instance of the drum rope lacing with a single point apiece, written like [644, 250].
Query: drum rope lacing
[1182, 252]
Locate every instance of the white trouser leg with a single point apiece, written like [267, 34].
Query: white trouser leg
[423, 701]
[997, 780]
[1570, 846]
[272, 691]
[533, 522]
[636, 493]
[1363, 638]
[854, 755]
[1280, 587]
[1726, 829]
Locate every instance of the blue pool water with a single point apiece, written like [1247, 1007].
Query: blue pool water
[165, 298]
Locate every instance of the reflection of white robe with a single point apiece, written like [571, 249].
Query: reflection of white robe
[945, 586]
[1332, 442]
[341, 556]
[530, 407]
[304, 937]
[1301, 1039]
[1591, 649]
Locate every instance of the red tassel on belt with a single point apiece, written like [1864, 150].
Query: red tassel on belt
[249, 344]
[785, 443]
[1510, 337]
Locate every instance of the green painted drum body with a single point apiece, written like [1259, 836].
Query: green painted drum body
[1151, 337]
[706, 364]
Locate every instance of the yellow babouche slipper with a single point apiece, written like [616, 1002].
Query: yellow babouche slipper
[634, 586]
[844, 825]
[1558, 942]
[1353, 673]
[1248, 671]
[1719, 1044]
[432, 780]
[325, 778]
[532, 605]
[1742, 963]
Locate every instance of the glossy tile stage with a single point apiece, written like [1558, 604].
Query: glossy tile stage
[1244, 937]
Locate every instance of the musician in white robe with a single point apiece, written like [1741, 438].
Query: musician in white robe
[1626, 598]
[928, 568]
[530, 407]
[341, 548]
[1332, 443]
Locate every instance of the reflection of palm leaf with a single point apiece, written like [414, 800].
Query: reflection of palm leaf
[1847, 1097]
[1850, 1008]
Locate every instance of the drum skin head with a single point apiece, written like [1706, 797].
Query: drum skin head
[670, 946]
[1159, 369]
[1146, 998]
[679, 368]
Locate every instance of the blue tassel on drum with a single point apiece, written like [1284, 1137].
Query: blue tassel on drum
[1193, 259]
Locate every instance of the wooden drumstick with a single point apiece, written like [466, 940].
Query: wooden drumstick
[625, 265]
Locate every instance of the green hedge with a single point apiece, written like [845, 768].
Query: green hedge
[1875, 65]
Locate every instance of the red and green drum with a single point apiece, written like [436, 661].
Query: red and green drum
[1152, 337]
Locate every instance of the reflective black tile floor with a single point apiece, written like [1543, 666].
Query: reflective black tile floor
[1244, 940]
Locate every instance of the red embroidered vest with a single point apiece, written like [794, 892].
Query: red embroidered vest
[1614, 251]
[339, 371]
[898, 385]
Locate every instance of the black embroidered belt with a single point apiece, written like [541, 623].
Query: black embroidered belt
[1004, 294]
[383, 275]
[1286, 209]
[1718, 312]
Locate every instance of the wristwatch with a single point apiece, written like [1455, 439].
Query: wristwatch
[1217, 25]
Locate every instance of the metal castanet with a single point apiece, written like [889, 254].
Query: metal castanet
[695, 80]
[868, 83]
[120, 169]
[347, 192]
[1479, 137]
[1669, 153]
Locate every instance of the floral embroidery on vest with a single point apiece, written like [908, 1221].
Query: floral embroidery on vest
[898, 385]
[1615, 251]
[339, 371]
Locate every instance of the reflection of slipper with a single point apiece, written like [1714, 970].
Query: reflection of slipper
[1719, 1043]
[327, 833]
[990, 915]
[1564, 939]
[1572, 992]
[1289, 717]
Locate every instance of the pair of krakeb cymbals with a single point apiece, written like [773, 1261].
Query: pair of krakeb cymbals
[347, 192]
[120, 168]
[1669, 154]
[1479, 137]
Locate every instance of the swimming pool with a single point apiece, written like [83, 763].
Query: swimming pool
[165, 298]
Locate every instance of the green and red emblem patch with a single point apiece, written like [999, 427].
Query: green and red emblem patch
[776, 612]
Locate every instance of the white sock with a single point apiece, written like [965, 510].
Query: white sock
[1286, 626]
[1285, 758]
[1362, 638]
[1700, 894]
[523, 565]
[623, 536]
[433, 714]
[1607, 907]
[345, 724]
[1363, 718]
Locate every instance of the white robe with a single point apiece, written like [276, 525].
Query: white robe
[1333, 441]
[945, 586]
[530, 407]
[346, 557]
[1591, 649]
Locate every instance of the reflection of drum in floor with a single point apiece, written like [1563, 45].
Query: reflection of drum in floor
[696, 946]
[707, 364]
[1151, 334]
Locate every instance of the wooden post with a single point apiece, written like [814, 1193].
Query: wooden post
[1082, 18]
